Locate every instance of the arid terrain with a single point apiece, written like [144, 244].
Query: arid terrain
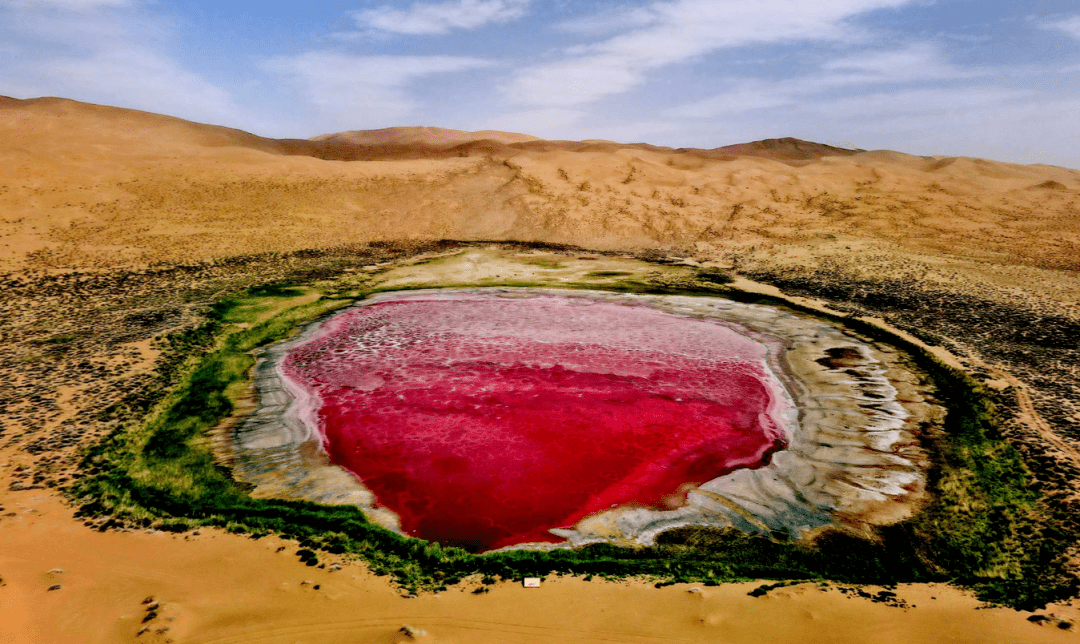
[118, 228]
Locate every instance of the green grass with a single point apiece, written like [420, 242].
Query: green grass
[602, 274]
[543, 262]
[984, 526]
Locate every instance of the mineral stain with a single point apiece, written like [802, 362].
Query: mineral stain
[484, 421]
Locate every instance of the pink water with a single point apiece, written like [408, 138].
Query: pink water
[485, 421]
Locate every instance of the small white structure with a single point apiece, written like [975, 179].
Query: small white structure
[531, 582]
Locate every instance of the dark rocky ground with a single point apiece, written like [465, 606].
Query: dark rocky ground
[990, 329]
[74, 361]
[74, 358]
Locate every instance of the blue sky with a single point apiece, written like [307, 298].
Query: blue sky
[999, 80]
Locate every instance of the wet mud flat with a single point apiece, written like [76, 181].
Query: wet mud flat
[837, 423]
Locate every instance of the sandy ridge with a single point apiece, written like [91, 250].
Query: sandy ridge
[84, 185]
[87, 190]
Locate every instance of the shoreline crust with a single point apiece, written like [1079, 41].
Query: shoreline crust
[853, 413]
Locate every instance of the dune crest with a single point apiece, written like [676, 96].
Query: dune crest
[90, 185]
[977, 259]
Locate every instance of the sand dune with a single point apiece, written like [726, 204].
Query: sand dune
[87, 185]
[785, 149]
[993, 249]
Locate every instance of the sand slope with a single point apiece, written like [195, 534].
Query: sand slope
[90, 187]
[224, 589]
[86, 185]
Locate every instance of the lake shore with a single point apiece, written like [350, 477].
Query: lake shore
[207, 579]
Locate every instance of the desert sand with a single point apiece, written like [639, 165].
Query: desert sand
[216, 588]
[89, 186]
[100, 205]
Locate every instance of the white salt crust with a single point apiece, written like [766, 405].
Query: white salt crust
[851, 460]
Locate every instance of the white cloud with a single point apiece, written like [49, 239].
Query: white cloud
[104, 51]
[676, 31]
[139, 78]
[443, 17]
[1017, 124]
[994, 123]
[75, 5]
[922, 104]
[915, 63]
[744, 96]
[353, 92]
[610, 21]
[551, 122]
[1070, 26]
[573, 82]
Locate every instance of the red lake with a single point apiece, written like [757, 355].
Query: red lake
[484, 421]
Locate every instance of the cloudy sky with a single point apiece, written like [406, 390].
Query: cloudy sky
[988, 78]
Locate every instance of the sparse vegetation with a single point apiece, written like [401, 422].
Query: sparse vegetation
[603, 274]
[714, 276]
[985, 526]
[543, 262]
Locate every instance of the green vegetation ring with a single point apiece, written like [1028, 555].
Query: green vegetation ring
[980, 523]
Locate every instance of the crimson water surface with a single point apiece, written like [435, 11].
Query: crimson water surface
[484, 421]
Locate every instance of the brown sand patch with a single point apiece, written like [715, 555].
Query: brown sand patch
[87, 185]
[219, 588]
